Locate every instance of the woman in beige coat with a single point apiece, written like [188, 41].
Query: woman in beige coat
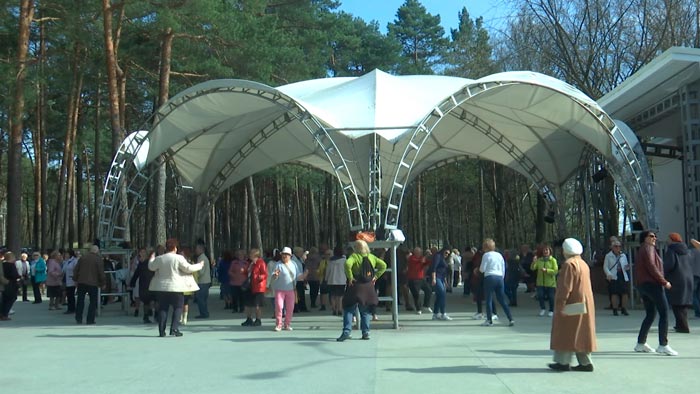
[573, 332]
[173, 277]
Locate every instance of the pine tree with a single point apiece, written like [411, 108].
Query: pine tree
[421, 37]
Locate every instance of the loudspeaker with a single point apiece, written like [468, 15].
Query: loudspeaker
[549, 218]
[637, 226]
[600, 175]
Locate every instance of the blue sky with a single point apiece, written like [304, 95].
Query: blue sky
[384, 11]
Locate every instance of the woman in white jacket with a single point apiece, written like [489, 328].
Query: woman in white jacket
[173, 277]
[616, 268]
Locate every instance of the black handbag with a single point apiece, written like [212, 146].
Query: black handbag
[245, 286]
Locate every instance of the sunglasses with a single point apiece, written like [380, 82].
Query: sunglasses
[651, 236]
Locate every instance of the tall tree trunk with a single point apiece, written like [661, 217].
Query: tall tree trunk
[78, 213]
[298, 218]
[115, 85]
[86, 232]
[40, 229]
[257, 235]
[14, 157]
[420, 211]
[315, 222]
[482, 213]
[280, 235]
[65, 178]
[163, 95]
[245, 241]
[97, 189]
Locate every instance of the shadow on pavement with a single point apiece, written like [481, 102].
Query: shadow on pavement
[469, 369]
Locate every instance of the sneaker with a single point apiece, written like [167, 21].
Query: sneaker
[12, 312]
[550, 314]
[487, 323]
[437, 316]
[624, 312]
[542, 312]
[419, 312]
[478, 316]
[666, 351]
[247, 323]
[428, 309]
[511, 323]
[614, 311]
[278, 328]
[257, 323]
[288, 328]
[445, 317]
[494, 317]
[365, 336]
[375, 317]
[643, 348]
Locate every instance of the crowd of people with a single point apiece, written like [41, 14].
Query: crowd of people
[348, 283]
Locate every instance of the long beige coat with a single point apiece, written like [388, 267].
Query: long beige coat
[573, 333]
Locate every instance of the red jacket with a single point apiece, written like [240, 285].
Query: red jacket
[648, 267]
[416, 267]
[258, 276]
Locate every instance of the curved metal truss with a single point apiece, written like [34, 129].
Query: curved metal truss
[112, 208]
[629, 167]
[423, 131]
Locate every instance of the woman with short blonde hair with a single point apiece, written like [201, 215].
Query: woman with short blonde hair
[493, 266]
[254, 298]
[489, 245]
[361, 247]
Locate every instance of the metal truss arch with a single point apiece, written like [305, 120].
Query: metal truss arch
[423, 132]
[120, 177]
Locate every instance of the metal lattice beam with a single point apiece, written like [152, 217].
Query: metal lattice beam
[109, 229]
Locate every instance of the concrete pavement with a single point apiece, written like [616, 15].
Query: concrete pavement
[45, 351]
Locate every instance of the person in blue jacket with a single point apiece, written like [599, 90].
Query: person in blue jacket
[38, 278]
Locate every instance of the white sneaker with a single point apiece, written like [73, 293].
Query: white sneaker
[428, 309]
[550, 314]
[288, 328]
[487, 323]
[437, 316]
[445, 317]
[494, 317]
[542, 312]
[666, 351]
[419, 312]
[478, 316]
[278, 328]
[12, 312]
[511, 323]
[643, 348]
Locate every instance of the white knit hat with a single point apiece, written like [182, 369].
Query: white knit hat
[572, 247]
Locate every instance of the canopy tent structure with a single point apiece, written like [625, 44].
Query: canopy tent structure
[376, 133]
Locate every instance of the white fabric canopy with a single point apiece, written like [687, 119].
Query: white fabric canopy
[205, 126]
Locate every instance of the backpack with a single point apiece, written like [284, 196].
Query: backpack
[366, 271]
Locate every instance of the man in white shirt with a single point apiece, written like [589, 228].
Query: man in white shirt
[24, 270]
[204, 282]
[68, 267]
